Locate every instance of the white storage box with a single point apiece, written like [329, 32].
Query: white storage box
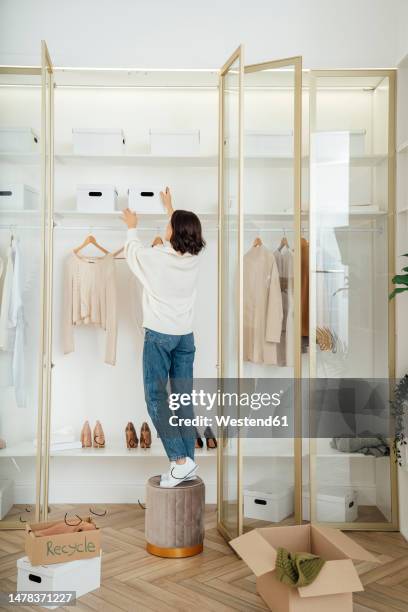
[18, 140]
[17, 196]
[98, 141]
[334, 505]
[6, 497]
[268, 501]
[357, 143]
[268, 144]
[80, 576]
[97, 198]
[146, 201]
[174, 142]
[338, 146]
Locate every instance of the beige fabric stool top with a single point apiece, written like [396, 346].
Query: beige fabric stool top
[175, 518]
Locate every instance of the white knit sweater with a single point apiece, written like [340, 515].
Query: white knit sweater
[169, 284]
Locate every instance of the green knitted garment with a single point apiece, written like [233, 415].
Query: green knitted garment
[297, 569]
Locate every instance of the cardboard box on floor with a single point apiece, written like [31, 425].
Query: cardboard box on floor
[333, 588]
[46, 550]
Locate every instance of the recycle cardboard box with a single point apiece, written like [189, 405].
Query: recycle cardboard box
[333, 588]
[46, 550]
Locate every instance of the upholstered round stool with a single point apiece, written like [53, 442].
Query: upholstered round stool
[175, 518]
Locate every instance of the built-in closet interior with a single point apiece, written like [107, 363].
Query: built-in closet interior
[339, 149]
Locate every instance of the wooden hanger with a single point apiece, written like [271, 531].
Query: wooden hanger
[284, 243]
[118, 252]
[257, 242]
[90, 239]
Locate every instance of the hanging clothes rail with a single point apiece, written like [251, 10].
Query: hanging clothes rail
[101, 228]
[304, 229]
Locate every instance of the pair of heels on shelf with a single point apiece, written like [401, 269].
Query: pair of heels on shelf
[210, 439]
[132, 440]
[97, 440]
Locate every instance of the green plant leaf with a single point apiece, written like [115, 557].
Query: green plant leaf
[400, 279]
[397, 290]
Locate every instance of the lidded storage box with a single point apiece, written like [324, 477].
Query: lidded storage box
[338, 145]
[268, 501]
[97, 198]
[146, 201]
[80, 576]
[334, 505]
[104, 141]
[268, 144]
[174, 142]
[17, 196]
[18, 140]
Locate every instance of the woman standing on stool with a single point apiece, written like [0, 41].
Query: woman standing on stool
[169, 275]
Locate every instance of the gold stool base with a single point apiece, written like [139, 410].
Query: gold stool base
[174, 553]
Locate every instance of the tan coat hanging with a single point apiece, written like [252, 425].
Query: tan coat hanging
[263, 312]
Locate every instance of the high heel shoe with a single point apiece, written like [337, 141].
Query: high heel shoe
[145, 436]
[210, 439]
[131, 436]
[86, 435]
[98, 436]
[198, 440]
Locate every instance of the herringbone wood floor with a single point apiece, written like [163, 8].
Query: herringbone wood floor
[216, 580]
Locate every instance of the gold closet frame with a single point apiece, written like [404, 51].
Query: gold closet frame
[47, 199]
[393, 524]
[296, 63]
[237, 55]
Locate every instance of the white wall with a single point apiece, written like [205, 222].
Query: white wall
[402, 30]
[131, 33]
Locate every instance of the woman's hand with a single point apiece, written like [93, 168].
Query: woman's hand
[166, 200]
[157, 241]
[130, 218]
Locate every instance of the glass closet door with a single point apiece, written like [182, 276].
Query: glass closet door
[230, 282]
[48, 190]
[271, 456]
[24, 210]
[351, 341]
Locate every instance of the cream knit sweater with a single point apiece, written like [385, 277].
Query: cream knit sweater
[169, 284]
[90, 299]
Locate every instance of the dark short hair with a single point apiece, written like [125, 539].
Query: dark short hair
[186, 234]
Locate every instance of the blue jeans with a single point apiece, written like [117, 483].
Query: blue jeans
[169, 358]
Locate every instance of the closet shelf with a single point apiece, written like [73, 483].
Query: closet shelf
[278, 216]
[130, 159]
[252, 448]
[156, 450]
[27, 449]
[22, 449]
[203, 161]
[24, 159]
[70, 218]
[360, 160]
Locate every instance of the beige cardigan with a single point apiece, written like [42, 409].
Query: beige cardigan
[90, 299]
[263, 312]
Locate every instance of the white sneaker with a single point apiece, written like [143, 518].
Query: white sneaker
[179, 473]
[165, 476]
